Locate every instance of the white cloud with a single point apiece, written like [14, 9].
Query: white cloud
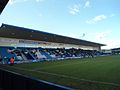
[40, 14]
[39, 0]
[111, 43]
[102, 35]
[87, 4]
[11, 2]
[96, 19]
[99, 37]
[112, 15]
[75, 9]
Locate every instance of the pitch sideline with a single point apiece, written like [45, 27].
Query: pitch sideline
[65, 76]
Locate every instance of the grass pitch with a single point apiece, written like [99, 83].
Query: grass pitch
[99, 73]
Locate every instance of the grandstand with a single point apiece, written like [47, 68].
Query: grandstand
[28, 44]
[115, 51]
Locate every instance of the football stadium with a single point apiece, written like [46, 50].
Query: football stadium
[33, 60]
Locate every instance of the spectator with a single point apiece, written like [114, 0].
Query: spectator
[12, 61]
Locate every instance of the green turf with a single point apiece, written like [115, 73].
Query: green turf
[100, 73]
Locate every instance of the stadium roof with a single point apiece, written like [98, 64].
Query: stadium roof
[10, 31]
[3, 4]
[115, 49]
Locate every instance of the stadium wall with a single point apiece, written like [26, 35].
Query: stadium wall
[14, 81]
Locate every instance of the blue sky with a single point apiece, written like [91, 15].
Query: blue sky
[92, 20]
